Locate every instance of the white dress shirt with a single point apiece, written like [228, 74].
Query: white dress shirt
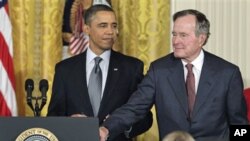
[197, 66]
[104, 64]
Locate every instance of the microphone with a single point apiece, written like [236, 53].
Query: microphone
[43, 87]
[29, 87]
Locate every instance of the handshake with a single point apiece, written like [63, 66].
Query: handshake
[103, 133]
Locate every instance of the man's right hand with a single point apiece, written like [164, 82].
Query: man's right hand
[103, 133]
[78, 115]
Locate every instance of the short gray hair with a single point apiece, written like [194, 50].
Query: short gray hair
[202, 23]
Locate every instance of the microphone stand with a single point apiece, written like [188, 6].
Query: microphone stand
[43, 86]
[38, 108]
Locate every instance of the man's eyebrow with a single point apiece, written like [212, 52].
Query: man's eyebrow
[103, 23]
[107, 23]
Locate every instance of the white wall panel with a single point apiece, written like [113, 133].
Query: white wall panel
[230, 32]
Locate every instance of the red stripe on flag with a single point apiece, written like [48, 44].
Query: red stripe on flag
[6, 7]
[84, 45]
[79, 41]
[8, 105]
[6, 60]
[80, 45]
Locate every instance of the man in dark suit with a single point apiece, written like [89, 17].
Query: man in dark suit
[120, 74]
[203, 100]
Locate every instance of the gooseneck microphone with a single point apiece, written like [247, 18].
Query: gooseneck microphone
[29, 87]
[43, 87]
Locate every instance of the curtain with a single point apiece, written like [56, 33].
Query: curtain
[37, 41]
[144, 32]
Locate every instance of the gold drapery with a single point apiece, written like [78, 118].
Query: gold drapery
[37, 40]
[144, 32]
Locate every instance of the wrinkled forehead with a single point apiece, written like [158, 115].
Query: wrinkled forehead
[185, 23]
[187, 19]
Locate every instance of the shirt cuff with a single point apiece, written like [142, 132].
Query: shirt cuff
[126, 132]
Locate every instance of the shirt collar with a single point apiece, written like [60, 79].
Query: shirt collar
[91, 55]
[197, 62]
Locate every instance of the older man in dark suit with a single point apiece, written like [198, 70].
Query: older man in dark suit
[99, 80]
[193, 90]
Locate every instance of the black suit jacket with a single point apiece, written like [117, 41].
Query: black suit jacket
[219, 100]
[70, 92]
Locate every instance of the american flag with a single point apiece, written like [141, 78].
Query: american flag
[79, 41]
[8, 106]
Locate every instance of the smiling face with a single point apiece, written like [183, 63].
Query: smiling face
[102, 31]
[186, 44]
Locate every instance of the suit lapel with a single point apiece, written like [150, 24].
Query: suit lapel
[205, 83]
[112, 78]
[80, 78]
[177, 82]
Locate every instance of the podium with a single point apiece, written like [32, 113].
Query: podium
[49, 129]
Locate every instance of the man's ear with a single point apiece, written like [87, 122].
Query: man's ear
[86, 29]
[202, 39]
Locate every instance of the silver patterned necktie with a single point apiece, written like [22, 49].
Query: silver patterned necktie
[95, 86]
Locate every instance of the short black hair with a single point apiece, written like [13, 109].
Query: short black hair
[90, 12]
